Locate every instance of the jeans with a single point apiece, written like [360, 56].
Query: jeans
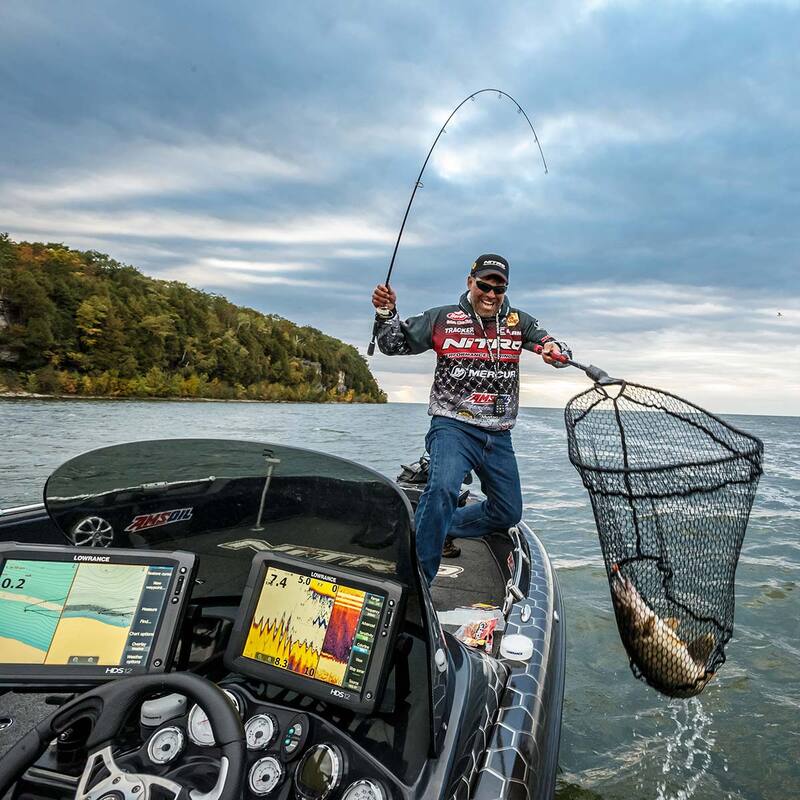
[456, 448]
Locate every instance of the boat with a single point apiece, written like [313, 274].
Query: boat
[225, 619]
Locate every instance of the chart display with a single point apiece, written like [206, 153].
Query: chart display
[314, 627]
[80, 614]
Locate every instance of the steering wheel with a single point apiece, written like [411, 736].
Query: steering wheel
[108, 706]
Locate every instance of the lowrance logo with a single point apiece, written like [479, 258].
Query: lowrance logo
[101, 559]
[340, 694]
[118, 670]
[144, 521]
[323, 577]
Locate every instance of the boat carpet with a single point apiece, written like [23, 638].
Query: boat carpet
[476, 578]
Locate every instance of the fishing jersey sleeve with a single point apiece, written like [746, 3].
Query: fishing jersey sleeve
[533, 335]
[397, 338]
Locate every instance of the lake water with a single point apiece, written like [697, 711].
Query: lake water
[739, 740]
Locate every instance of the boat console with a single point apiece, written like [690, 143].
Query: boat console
[250, 622]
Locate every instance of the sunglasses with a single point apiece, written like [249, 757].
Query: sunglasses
[486, 288]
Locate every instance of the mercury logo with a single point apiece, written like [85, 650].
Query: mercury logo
[458, 372]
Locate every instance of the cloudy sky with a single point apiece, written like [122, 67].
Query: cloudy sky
[267, 153]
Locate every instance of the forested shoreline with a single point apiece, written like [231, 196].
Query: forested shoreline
[79, 323]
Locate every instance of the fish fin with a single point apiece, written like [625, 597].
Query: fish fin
[700, 649]
[672, 622]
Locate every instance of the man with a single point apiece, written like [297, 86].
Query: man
[474, 401]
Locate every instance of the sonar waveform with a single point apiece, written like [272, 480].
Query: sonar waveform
[273, 639]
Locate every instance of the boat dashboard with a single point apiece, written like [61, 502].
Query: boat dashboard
[308, 660]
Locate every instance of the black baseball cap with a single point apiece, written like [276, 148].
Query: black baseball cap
[490, 264]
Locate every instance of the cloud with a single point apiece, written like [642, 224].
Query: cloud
[271, 158]
[158, 170]
[168, 224]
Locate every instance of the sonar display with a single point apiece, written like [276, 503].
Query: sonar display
[60, 612]
[313, 627]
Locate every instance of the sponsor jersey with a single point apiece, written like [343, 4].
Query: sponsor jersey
[477, 361]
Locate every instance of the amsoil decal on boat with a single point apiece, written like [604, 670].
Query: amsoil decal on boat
[144, 521]
[318, 554]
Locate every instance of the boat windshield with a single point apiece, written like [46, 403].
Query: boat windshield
[226, 500]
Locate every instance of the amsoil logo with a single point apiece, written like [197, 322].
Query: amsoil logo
[457, 316]
[145, 521]
[481, 398]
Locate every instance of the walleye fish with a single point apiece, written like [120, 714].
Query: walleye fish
[669, 663]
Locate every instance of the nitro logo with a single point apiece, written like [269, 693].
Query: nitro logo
[470, 343]
[145, 521]
[481, 398]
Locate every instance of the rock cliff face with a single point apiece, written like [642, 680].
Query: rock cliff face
[7, 355]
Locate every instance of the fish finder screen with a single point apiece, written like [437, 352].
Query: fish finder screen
[80, 614]
[315, 628]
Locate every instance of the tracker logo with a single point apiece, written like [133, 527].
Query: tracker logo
[340, 694]
[458, 373]
[145, 521]
[457, 316]
[481, 398]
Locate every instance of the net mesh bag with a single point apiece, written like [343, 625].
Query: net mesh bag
[671, 488]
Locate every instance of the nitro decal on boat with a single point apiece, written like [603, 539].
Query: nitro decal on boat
[142, 522]
[318, 554]
[446, 571]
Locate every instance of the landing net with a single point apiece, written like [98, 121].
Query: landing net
[671, 488]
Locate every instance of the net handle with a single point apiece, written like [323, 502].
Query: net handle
[595, 373]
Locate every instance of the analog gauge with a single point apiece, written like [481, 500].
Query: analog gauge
[319, 772]
[165, 745]
[265, 775]
[199, 726]
[260, 731]
[364, 790]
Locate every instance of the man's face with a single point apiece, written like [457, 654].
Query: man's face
[486, 303]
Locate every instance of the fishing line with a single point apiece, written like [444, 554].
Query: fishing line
[418, 183]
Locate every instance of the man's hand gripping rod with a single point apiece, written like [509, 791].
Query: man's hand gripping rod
[595, 373]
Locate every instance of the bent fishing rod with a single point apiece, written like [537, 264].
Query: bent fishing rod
[418, 183]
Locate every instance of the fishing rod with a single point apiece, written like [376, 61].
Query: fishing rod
[418, 183]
